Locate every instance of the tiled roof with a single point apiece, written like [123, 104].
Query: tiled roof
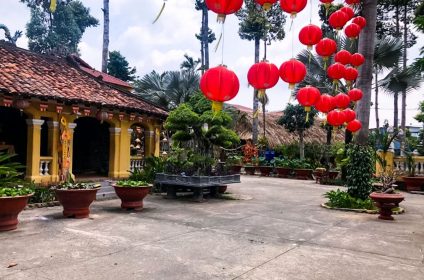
[29, 74]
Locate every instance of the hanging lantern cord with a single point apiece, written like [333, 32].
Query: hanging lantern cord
[222, 46]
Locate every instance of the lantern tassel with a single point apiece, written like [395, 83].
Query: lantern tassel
[160, 12]
[267, 6]
[53, 5]
[307, 109]
[217, 106]
[218, 43]
[220, 18]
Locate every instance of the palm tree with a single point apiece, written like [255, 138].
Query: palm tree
[189, 64]
[366, 48]
[168, 89]
[387, 53]
[105, 49]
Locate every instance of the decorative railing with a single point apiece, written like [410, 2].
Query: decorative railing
[136, 163]
[399, 164]
[45, 166]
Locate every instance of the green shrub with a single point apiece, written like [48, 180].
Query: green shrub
[300, 164]
[281, 162]
[360, 169]
[42, 195]
[11, 183]
[342, 199]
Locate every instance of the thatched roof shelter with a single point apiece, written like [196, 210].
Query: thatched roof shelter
[275, 133]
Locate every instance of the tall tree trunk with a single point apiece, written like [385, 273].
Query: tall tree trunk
[255, 129]
[366, 48]
[301, 145]
[105, 51]
[377, 119]
[395, 110]
[202, 42]
[206, 40]
[405, 47]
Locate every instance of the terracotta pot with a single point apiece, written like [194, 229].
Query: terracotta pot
[250, 170]
[76, 203]
[283, 172]
[317, 175]
[222, 188]
[386, 202]
[10, 207]
[303, 174]
[132, 197]
[413, 183]
[333, 174]
[235, 169]
[265, 170]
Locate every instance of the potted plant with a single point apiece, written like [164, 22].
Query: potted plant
[412, 182]
[14, 193]
[76, 198]
[132, 193]
[302, 170]
[318, 173]
[264, 166]
[250, 167]
[282, 167]
[386, 198]
[234, 163]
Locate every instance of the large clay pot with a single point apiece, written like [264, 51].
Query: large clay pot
[283, 172]
[250, 170]
[265, 170]
[76, 203]
[386, 202]
[303, 174]
[10, 207]
[413, 183]
[132, 197]
[333, 174]
[235, 169]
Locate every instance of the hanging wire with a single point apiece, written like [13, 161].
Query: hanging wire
[160, 12]
[223, 43]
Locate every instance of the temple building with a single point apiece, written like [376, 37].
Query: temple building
[59, 114]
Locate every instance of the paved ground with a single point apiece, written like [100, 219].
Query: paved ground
[280, 233]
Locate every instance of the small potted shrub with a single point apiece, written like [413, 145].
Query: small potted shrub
[76, 198]
[282, 167]
[14, 193]
[302, 170]
[412, 182]
[264, 166]
[318, 173]
[133, 190]
[386, 198]
[250, 167]
[235, 164]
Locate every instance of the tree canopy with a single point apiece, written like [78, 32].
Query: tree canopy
[60, 32]
[118, 67]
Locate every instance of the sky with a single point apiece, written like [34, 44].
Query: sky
[161, 46]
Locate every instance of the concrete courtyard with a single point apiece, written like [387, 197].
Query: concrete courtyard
[277, 230]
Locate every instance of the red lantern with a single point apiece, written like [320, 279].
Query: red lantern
[349, 12]
[325, 103]
[354, 126]
[307, 97]
[21, 104]
[355, 94]
[262, 76]
[343, 57]
[350, 75]
[342, 101]
[336, 118]
[292, 72]
[336, 71]
[357, 59]
[338, 19]
[361, 21]
[352, 31]
[350, 115]
[352, 2]
[293, 6]
[219, 85]
[310, 35]
[223, 7]
[326, 48]
[102, 116]
[266, 4]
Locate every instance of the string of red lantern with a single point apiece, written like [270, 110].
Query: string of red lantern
[266, 4]
[223, 7]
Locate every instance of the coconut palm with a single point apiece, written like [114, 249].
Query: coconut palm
[168, 89]
[189, 64]
[387, 53]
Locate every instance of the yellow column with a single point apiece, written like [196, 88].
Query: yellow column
[125, 153]
[53, 149]
[71, 127]
[149, 136]
[157, 140]
[114, 146]
[33, 150]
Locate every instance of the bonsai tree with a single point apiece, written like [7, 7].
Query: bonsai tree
[294, 120]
